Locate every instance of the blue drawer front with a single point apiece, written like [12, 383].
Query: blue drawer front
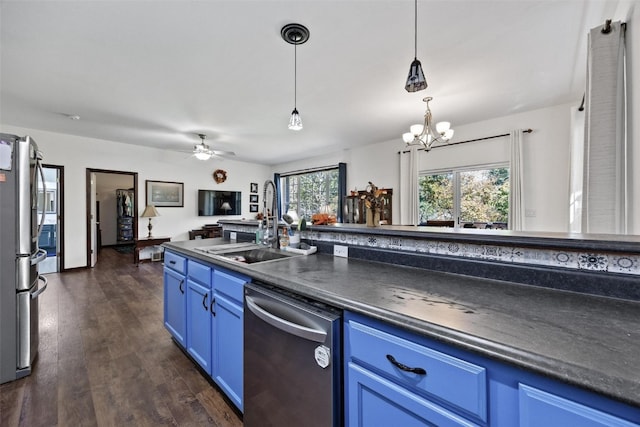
[175, 262]
[229, 285]
[375, 401]
[370, 346]
[200, 273]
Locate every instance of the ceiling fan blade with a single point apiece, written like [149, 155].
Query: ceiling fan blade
[223, 153]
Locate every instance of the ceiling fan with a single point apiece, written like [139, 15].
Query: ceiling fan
[203, 152]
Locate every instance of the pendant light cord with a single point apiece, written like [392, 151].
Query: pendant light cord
[295, 76]
[415, 31]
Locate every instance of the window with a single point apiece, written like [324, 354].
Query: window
[311, 192]
[476, 198]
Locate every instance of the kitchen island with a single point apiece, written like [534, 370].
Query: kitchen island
[587, 341]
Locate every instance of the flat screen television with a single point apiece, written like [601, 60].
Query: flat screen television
[213, 202]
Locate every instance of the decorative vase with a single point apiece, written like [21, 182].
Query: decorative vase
[373, 218]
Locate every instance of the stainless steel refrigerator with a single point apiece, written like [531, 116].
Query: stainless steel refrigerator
[21, 178]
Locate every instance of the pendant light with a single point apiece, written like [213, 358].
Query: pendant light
[415, 79]
[295, 34]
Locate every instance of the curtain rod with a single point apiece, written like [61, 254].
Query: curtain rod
[308, 170]
[464, 142]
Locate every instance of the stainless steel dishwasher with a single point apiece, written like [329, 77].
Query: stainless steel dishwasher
[292, 352]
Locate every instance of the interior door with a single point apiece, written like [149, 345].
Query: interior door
[49, 200]
[93, 222]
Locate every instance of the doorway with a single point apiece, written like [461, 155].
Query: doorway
[103, 189]
[51, 201]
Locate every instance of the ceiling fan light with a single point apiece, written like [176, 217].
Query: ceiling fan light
[202, 155]
[415, 80]
[295, 122]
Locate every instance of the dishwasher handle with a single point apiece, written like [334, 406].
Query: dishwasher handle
[301, 331]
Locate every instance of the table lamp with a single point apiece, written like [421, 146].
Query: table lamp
[149, 212]
[226, 207]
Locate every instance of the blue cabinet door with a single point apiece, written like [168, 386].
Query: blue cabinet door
[175, 305]
[374, 401]
[199, 324]
[228, 348]
[540, 408]
[228, 334]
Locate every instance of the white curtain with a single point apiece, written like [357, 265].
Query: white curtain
[516, 191]
[605, 189]
[409, 187]
[576, 170]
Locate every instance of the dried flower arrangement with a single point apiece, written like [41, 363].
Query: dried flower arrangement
[373, 197]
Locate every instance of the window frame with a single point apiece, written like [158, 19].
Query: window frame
[456, 181]
[286, 194]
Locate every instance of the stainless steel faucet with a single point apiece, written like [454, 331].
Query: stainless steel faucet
[270, 237]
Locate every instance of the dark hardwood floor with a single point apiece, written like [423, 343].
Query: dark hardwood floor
[105, 358]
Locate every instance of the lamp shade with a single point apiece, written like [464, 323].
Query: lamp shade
[295, 122]
[225, 206]
[149, 212]
[415, 79]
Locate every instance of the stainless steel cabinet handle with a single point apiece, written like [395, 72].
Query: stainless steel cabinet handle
[301, 331]
[37, 293]
[405, 368]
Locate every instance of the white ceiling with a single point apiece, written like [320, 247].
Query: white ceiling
[156, 73]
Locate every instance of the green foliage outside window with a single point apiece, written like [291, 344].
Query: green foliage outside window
[484, 196]
[309, 193]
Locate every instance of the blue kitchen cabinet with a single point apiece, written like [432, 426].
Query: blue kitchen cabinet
[199, 301]
[227, 346]
[175, 296]
[431, 383]
[540, 408]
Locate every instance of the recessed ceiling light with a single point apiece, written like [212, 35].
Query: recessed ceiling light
[73, 116]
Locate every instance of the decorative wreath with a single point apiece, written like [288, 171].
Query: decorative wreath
[219, 176]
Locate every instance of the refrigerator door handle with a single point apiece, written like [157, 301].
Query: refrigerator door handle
[44, 191]
[38, 257]
[301, 331]
[37, 293]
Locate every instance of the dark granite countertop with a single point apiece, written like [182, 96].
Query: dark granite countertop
[589, 341]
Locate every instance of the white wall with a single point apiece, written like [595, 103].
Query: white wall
[546, 153]
[77, 154]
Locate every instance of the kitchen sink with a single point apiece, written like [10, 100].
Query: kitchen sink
[246, 253]
[215, 249]
[255, 255]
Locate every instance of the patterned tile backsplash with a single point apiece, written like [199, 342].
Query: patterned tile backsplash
[622, 263]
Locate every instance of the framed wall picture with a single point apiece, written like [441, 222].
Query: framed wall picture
[253, 208]
[254, 187]
[253, 198]
[165, 194]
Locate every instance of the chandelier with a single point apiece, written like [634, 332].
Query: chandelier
[424, 135]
